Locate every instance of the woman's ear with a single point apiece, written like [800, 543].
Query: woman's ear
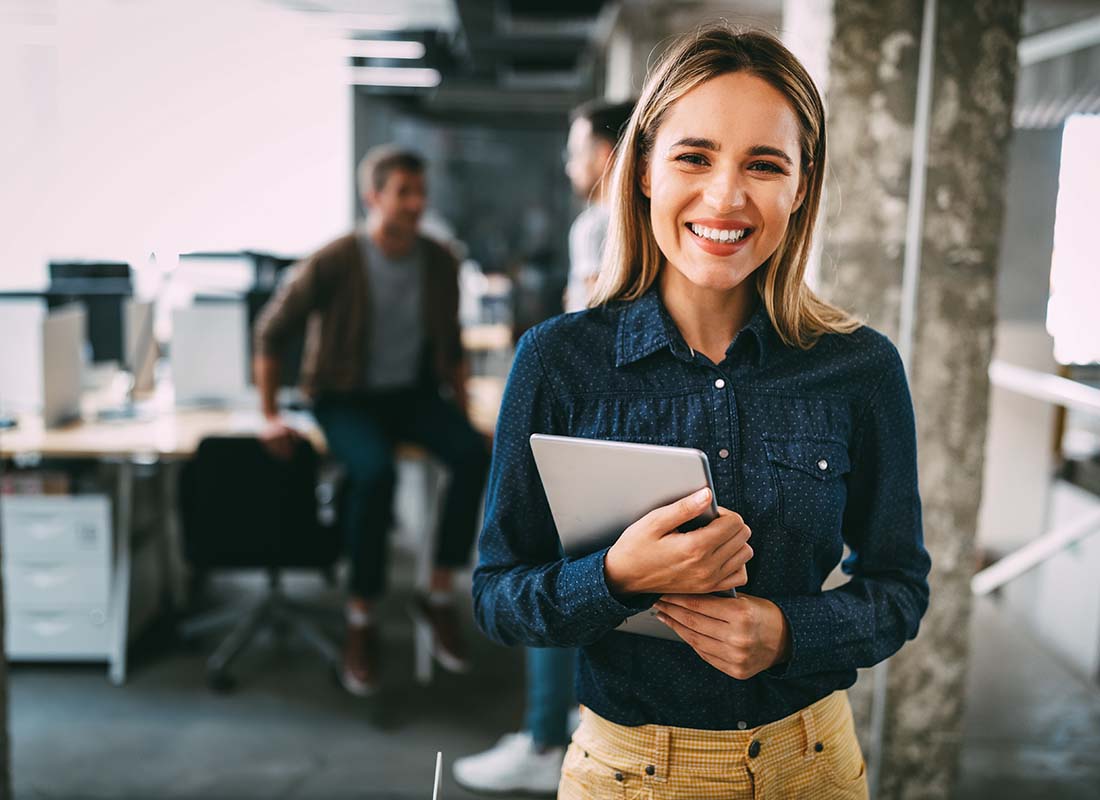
[643, 175]
[803, 183]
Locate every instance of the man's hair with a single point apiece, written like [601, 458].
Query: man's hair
[380, 161]
[608, 120]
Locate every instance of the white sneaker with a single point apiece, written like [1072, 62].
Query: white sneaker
[513, 764]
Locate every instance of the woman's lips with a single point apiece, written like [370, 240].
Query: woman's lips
[715, 248]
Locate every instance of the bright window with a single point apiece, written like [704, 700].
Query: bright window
[1073, 315]
[168, 126]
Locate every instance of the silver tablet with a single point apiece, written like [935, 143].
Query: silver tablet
[597, 489]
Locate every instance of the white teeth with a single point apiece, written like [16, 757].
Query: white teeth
[717, 234]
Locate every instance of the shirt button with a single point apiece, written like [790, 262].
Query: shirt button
[754, 748]
[822, 465]
[741, 725]
[719, 384]
[650, 770]
[618, 776]
[723, 453]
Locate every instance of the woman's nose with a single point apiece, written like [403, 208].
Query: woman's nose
[725, 193]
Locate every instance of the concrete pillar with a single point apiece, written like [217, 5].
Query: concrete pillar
[871, 101]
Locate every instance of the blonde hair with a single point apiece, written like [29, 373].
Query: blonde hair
[632, 260]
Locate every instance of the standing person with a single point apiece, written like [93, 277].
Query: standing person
[383, 363]
[530, 760]
[703, 334]
[593, 135]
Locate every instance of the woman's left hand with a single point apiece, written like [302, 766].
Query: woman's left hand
[740, 636]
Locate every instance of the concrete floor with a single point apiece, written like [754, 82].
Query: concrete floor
[1033, 729]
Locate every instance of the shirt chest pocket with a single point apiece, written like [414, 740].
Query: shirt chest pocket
[809, 480]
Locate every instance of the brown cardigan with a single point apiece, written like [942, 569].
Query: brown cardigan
[329, 293]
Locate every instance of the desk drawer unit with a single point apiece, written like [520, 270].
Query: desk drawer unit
[76, 528]
[53, 582]
[57, 568]
[57, 632]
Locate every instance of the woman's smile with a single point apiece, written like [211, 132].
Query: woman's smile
[718, 237]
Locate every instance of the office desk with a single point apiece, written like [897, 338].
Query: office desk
[165, 437]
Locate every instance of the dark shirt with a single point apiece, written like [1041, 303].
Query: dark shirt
[814, 448]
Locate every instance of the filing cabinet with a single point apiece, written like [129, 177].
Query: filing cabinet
[57, 575]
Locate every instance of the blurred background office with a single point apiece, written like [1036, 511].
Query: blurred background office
[162, 163]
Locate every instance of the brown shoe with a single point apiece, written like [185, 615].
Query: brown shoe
[448, 646]
[360, 674]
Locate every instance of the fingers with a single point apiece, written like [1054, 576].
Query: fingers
[711, 556]
[702, 624]
[731, 542]
[733, 571]
[690, 635]
[668, 518]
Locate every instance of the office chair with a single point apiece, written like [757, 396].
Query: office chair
[241, 508]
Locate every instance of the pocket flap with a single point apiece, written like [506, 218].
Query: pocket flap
[821, 458]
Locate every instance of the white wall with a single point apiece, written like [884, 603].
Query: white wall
[167, 125]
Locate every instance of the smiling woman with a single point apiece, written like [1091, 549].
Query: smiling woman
[703, 334]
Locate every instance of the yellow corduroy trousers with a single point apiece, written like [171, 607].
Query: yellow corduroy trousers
[811, 754]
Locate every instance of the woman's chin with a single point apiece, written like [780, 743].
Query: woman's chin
[715, 279]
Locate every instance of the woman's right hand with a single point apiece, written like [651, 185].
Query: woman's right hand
[653, 557]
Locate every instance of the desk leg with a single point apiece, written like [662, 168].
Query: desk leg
[435, 479]
[170, 545]
[120, 574]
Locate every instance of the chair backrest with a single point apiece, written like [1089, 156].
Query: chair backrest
[241, 507]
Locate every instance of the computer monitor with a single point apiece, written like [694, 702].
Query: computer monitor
[62, 340]
[208, 352]
[102, 287]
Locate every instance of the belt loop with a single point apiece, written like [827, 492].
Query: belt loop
[809, 731]
[661, 749]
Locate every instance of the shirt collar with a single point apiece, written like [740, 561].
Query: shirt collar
[646, 327]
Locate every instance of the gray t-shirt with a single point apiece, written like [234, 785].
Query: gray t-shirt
[586, 239]
[396, 332]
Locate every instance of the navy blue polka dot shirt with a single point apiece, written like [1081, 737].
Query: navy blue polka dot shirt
[815, 449]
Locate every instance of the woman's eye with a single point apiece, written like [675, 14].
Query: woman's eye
[693, 158]
[767, 166]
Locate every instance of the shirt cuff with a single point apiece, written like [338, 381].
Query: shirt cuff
[809, 622]
[595, 603]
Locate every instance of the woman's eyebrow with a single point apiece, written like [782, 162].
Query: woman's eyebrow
[768, 150]
[702, 144]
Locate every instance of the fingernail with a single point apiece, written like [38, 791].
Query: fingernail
[701, 496]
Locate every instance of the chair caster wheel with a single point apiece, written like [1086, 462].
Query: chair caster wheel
[220, 681]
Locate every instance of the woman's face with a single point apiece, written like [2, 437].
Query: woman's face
[723, 179]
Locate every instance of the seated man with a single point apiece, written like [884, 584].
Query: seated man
[383, 363]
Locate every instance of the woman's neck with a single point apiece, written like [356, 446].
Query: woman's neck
[707, 319]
